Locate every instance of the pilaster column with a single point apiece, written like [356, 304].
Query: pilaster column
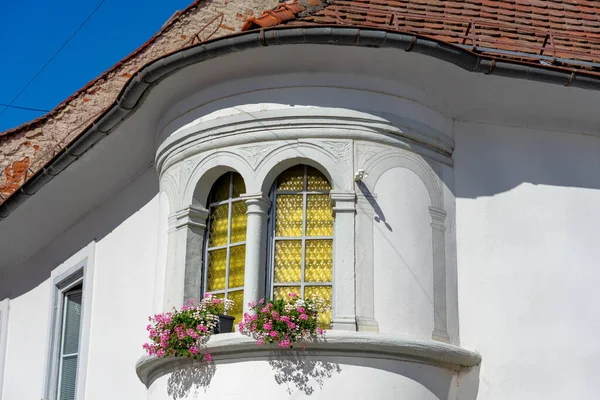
[183, 278]
[256, 233]
[365, 269]
[344, 310]
[440, 331]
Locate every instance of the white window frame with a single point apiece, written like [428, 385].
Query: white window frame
[4, 308]
[273, 238]
[77, 270]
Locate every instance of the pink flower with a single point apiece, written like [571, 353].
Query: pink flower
[259, 342]
[216, 301]
[202, 328]
[293, 295]
[301, 310]
[241, 326]
[274, 334]
[275, 315]
[152, 332]
[160, 353]
[194, 350]
[267, 327]
[181, 335]
[285, 318]
[284, 343]
[254, 317]
[251, 304]
[303, 317]
[291, 325]
[189, 332]
[149, 327]
[261, 301]
[319, 331]
[208, 357]
[264, 310]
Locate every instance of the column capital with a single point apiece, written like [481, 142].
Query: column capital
[258, 203]
[192, 216]
[345, 201]
[438, 217]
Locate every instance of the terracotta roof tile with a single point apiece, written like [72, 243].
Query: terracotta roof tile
[531, 27]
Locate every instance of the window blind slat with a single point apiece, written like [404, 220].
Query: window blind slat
[68, 378]
[72, 323]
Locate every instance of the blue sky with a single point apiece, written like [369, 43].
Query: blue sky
[32, 31]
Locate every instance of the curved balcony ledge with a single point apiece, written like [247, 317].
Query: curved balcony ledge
[234, 347]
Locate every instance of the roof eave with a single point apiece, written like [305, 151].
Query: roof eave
[151, 74]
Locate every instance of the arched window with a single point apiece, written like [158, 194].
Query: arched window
[301, 248]
[225, 242]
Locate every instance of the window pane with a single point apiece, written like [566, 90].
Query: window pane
[220, 189]
[316, 180]
[323, 292]
[282, 292]
[288, 218]
[239, 221]
[219, 226]
[288, 261]
[239, 187]
[319, 215]
[72, 321]
[238, 305]
[68, 378]
[237, 259]
[292, 179]
[319, 261]
[217, 264]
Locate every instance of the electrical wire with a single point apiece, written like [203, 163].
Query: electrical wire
[10, 105]
[23, 108]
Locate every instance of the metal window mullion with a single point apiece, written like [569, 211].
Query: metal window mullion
[224, 246]
[290, 238]
[229, 213]
[304, 201]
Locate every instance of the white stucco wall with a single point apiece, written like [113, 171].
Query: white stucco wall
[402, 255]
[528, 212]
[123, 279]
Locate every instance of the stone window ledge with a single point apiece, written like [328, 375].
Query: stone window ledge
[234, 347]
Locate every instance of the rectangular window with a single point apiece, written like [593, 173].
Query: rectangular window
[69, 343]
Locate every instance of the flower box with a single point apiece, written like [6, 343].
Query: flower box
[224, 325]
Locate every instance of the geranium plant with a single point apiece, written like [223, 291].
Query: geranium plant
[284, 322]
[181, 333]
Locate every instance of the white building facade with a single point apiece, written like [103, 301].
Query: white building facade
[457, 239]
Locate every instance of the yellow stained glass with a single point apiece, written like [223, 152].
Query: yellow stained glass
[219, 225]
[239, 187]
[325, 293]
[292, 179]
[316, 181]
[281, 292]
[288, 218]
[319, 215]
[239, 220]
[220, 189]
[237, 258]
[319, 261]
[238, 305]
[217, 265]
[288, 261]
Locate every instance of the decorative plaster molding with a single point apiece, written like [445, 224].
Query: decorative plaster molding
[299, 124]
[343, 201]
[438, 218]
[256, 153]
[352, 346]
[366, 152]
[339, 149]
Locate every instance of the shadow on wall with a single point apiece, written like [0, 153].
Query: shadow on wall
[301, 374]
[93, 227]
[188, 381]
[493, 159]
